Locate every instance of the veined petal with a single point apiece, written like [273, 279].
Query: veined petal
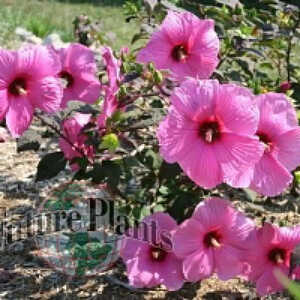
[19, 116]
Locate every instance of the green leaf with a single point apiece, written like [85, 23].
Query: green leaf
[297, 177]
[50, 165]
[97, 250]
[108, 171]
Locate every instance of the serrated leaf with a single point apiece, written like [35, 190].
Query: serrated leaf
[50, 165]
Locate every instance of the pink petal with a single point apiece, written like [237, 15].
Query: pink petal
[176, 135]
[270, 176]
[267, 235]
[228, 262]
[199, 265]
[171, 273]
[3, 104]
[196, 99]
[79, 58]
[237, 109]
[206, 41]
[240, 231]
[236, 154]
[159, 55]
[87, 89]
[214, 212]
[8, 62]
[132, 247]
[188, 238]
[141, 274]
[112, 68]
[288, 145]
[82, 119]
[46, 94]
[289, 236]
[19, 116]
[277, 115]
[38, 61]
[163, 221]
[268, 284]
[201, 165]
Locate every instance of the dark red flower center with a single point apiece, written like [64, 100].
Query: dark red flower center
[157, 254]
[67, 78]
[264, 138]
[212, 239]
[210, 131]
[18, 87]
[277, 256]
[179, 53]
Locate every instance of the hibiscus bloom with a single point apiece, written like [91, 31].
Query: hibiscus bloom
[28, 81]
[151, 262]
[75, 145]
[185, 45]
[79, 74]
[270, 248]
[210, 131]
[110, 104]
[212, 240]
[279, 132]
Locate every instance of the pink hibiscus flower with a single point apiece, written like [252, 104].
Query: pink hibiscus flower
[151, 263]
[270, 248]
[279, 132]
[185, 45]
[28, 81]
[79, 74]
[210, 131]
[75, 145]
[110, 104]
[212, 240]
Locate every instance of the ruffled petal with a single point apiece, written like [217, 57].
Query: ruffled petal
[288, 145]
[170, 273]
[37, 62]
[201, 165]
[19, 116]
[177, 135]
[214, 212]
[268, 284]
[270, 176]
[79, 58]
[8, 63]
[87, 89]
[188, 238]
[236, 154]
[237, 109]
[3, 104]
[46, 94]
[277, 115]
[199, 265]
[228, 262]
[196, 99]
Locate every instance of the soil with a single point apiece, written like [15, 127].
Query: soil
[25, 276]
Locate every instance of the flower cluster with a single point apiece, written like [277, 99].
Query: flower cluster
[38, 77]
[223, 133]
[216, 239]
